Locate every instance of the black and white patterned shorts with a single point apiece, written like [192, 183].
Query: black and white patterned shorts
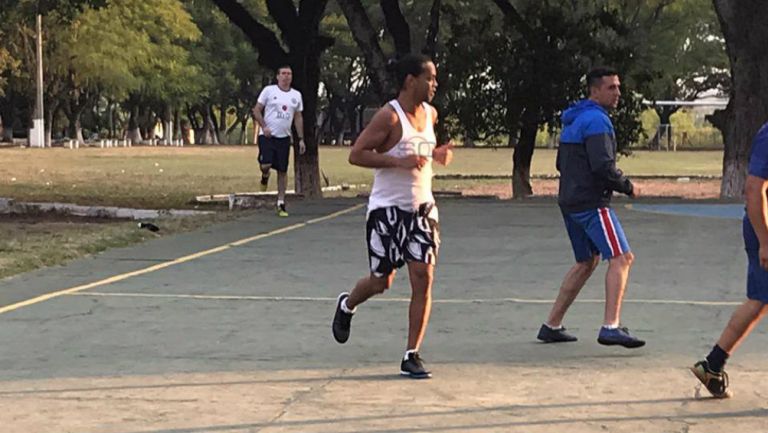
[396, 237]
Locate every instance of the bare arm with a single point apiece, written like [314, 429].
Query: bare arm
[374, 136]
[258, 117]
[298, 122]
[443, 153]
[757, 211]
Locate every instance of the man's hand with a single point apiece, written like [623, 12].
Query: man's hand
[302, 146]
[412, 161]
[267, 131]
[763, 255]
[443, 154]
[635, 191]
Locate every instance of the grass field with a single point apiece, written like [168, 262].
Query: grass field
[33, 241]
[155, 177]
[171, 177]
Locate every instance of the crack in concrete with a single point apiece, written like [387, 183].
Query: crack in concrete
[300, 396]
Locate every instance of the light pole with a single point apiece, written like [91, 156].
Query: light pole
[37, 133]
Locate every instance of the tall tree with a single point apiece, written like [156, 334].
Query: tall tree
[553, 44]
[368, 39]
[746, 36]
[300, 31]
[684, 30]
[232, 75]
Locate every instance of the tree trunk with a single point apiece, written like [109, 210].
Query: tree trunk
[243, 131]
[665, 118]
[7, 107]
[177, 124]
[746, 36]
[111, 112]
[523, 154]
[75, 127]
[397, 26]
[208, 135]
[222, 132]
[469, 140]
[50, 111]
[134, 131]
[367, 39]
[214, 125]
[430, 46]
[167, 124]
[307, 167]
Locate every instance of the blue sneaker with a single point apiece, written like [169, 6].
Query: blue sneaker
[619, 337]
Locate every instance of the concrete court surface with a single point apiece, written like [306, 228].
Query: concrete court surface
[177, 335]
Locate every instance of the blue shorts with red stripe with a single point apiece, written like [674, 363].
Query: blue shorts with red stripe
[595, 231]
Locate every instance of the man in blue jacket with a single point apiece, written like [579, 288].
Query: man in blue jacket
[586, 160]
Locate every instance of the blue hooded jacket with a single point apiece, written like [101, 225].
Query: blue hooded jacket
[586, 159]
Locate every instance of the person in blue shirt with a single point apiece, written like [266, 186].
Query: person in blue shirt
[586, 160]
[755, 230]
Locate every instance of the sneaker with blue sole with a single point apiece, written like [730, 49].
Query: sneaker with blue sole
[619, 337]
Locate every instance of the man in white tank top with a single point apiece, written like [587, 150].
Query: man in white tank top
[402, 228]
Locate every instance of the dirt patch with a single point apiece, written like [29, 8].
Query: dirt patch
[693, 189]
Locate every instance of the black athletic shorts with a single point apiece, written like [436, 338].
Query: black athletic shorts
[396, 237]
[275, 151]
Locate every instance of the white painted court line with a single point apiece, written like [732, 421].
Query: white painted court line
[125, 276]
[434, 301]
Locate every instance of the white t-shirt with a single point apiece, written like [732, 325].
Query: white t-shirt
[279, 107]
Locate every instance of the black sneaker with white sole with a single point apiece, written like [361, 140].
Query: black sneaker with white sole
[413, 367]
[342, 321]
[551, 335]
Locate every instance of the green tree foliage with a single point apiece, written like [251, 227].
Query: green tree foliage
[231, 74]
[680, 51]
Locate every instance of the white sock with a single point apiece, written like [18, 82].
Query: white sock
[346, 309]
[279, 202]
[554, 328]
[610, 326]
[408, 352]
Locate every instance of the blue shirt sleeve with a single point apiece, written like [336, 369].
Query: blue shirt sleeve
[758, 160]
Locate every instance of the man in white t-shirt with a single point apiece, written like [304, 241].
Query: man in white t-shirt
[277, 107]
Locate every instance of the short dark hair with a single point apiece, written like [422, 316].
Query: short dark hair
[410, 64]
[283, 66]
[595, 76]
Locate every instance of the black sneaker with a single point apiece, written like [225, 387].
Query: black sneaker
[619, 337]
[264, 183]
[413, 367]
[341, 321]
[716, 383]
[549, 335]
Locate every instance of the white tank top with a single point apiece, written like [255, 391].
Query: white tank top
[406, 188]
